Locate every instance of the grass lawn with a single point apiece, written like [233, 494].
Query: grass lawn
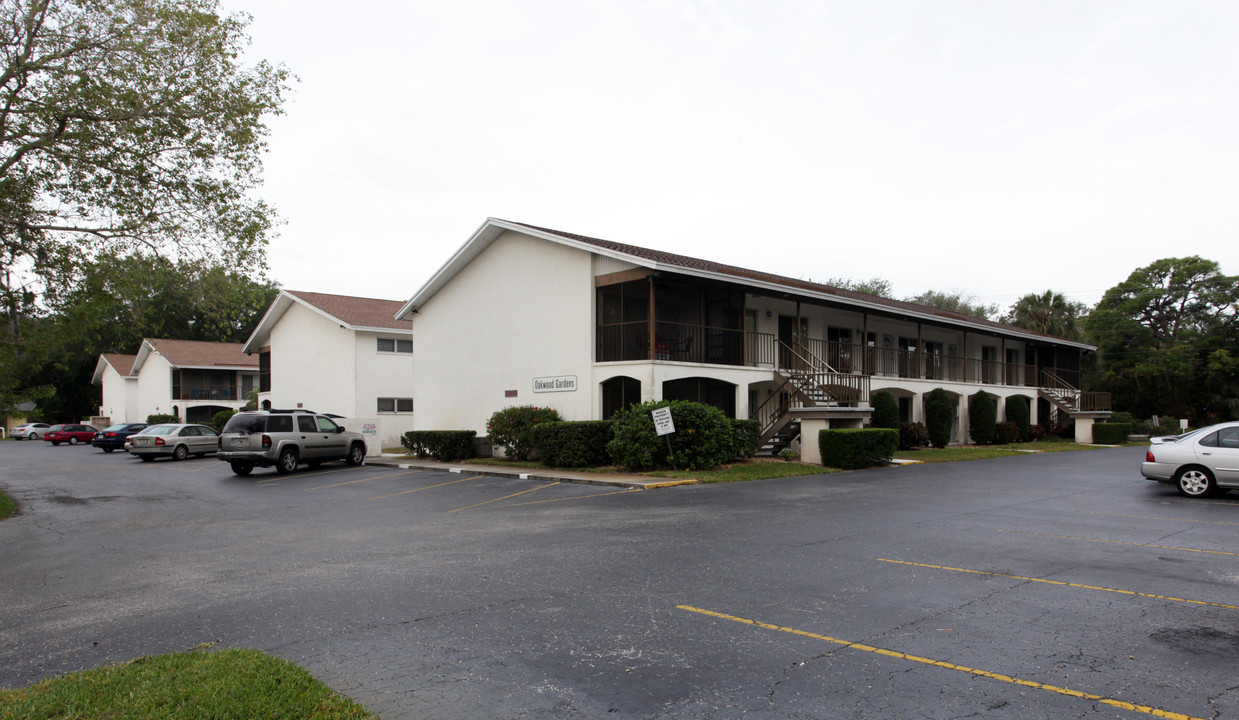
[986, 452]
[7, 506]
[193, 684]
[755, 469]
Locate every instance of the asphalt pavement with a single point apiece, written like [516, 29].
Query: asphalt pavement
[1051, 585]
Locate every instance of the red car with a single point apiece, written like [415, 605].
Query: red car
[72, 434]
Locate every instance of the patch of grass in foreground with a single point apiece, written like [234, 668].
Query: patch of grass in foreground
[180, 686]
[7, 506]
[749, 470]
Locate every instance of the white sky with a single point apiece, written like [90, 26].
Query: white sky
[998, 148]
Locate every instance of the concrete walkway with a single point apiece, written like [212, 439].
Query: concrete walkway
[624, 480]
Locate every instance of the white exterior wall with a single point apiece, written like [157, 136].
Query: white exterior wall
[313, 363]
[154, 387]
[120, 397]
[522, 309]
[382, 374]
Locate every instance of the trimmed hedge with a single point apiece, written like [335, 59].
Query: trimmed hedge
[885, 410]
[748, 432]
[512, 428]
[1019, 412]
[220, 419]
[159, 419]
[982, 417]
[1006, 433]
[1111, 433]
[446, 445]
[704, 437]
[573, 444]
[913, 436]
[939, 416]
[852, 449]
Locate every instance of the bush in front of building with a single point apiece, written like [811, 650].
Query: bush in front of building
[982, 417]
[939, 416]
[512, 429]
[220, 419]
[445, 445]
[1111, 433]
[1006, 433]
[852, 449]
[158, 418]
[1019, 412]
[913, 436]
[885, 410]
[573, 444]
[704, 437]
[748, 434]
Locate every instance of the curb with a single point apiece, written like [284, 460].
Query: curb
[631, 482]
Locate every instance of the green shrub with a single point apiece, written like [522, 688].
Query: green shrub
[1019, 412]
[445, 445]
[912, 436]
[982, 417]
[1006, 433]
[704, 437]
[939, 416]
[1111, 433]
[512, 428]
[885, 410]
[748, 433]
[573, 444]
[851, 449]
[158, 418]
[220, 419]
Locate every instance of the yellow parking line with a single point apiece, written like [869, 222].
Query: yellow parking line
[365, 479]
[950, 666]
[1123, 542]
[1160, 517]
[1059, 582]
[428, 487]
[505, 497]
[580, 497]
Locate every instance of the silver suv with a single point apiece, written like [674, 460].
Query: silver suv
[285, 439]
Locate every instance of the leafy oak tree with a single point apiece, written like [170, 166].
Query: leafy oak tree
[125, 124]
[957, 302]
[1167, 336]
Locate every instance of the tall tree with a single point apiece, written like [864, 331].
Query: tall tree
[126, 124]
[956, 301]
[875, 285]
[1049, 312]
[1167, 337]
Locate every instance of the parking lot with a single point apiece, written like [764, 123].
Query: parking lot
[1050, 585]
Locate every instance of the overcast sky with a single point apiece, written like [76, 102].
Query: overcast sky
[998, 148]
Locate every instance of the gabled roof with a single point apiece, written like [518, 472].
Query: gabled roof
[670, 262]
[122, 364]
[353, 313]
[196, 354]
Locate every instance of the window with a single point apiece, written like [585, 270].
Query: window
[394, 405]
[325, 424]
[305, 423]
[395, 345]
[264, 371]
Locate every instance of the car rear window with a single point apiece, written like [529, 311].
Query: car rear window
[245, 424]
[160, 430]
[115, 428]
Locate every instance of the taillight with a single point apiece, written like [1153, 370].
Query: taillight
[1148, 457]
[109, 434]
[159, 441]
[266, 442]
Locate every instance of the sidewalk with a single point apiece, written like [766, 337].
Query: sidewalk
[623, 480]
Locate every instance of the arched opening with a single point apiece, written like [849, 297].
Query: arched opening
[618, 393]
[202, 414]
[719, 393]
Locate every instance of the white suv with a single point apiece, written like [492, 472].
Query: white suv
[285, 439]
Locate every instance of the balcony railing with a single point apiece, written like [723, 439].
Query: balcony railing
[206, 393]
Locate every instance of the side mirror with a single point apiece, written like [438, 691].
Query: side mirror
[339, 428]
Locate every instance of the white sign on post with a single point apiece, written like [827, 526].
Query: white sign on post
[662, 421]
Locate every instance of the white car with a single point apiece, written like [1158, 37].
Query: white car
[1200, 463]
[29, 431]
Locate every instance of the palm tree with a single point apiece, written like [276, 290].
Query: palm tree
[1050, 313]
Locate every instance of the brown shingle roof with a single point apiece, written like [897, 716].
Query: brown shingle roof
[684, 261]
[355, 311]
[123, 364]
[196, 353]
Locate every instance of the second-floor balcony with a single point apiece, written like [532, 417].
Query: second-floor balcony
[676, 342]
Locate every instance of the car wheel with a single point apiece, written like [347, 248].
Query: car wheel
[180, 453]
[1195, 482]
[108, 450]
[34, 436]
[242, 468]
[147, 458]
[56, 443]
[356, 454]
[73, 441]
[287, 462]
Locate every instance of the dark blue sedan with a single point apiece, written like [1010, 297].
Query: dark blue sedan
[113, 438]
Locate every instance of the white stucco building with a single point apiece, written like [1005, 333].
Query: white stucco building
[527, 315]
[337, 354]
[191, 379]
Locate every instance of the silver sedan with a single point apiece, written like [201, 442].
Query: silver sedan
[1200, 463]
[175, 441]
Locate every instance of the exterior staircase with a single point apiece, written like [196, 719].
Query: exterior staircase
[808, 382]
[1068, 399]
